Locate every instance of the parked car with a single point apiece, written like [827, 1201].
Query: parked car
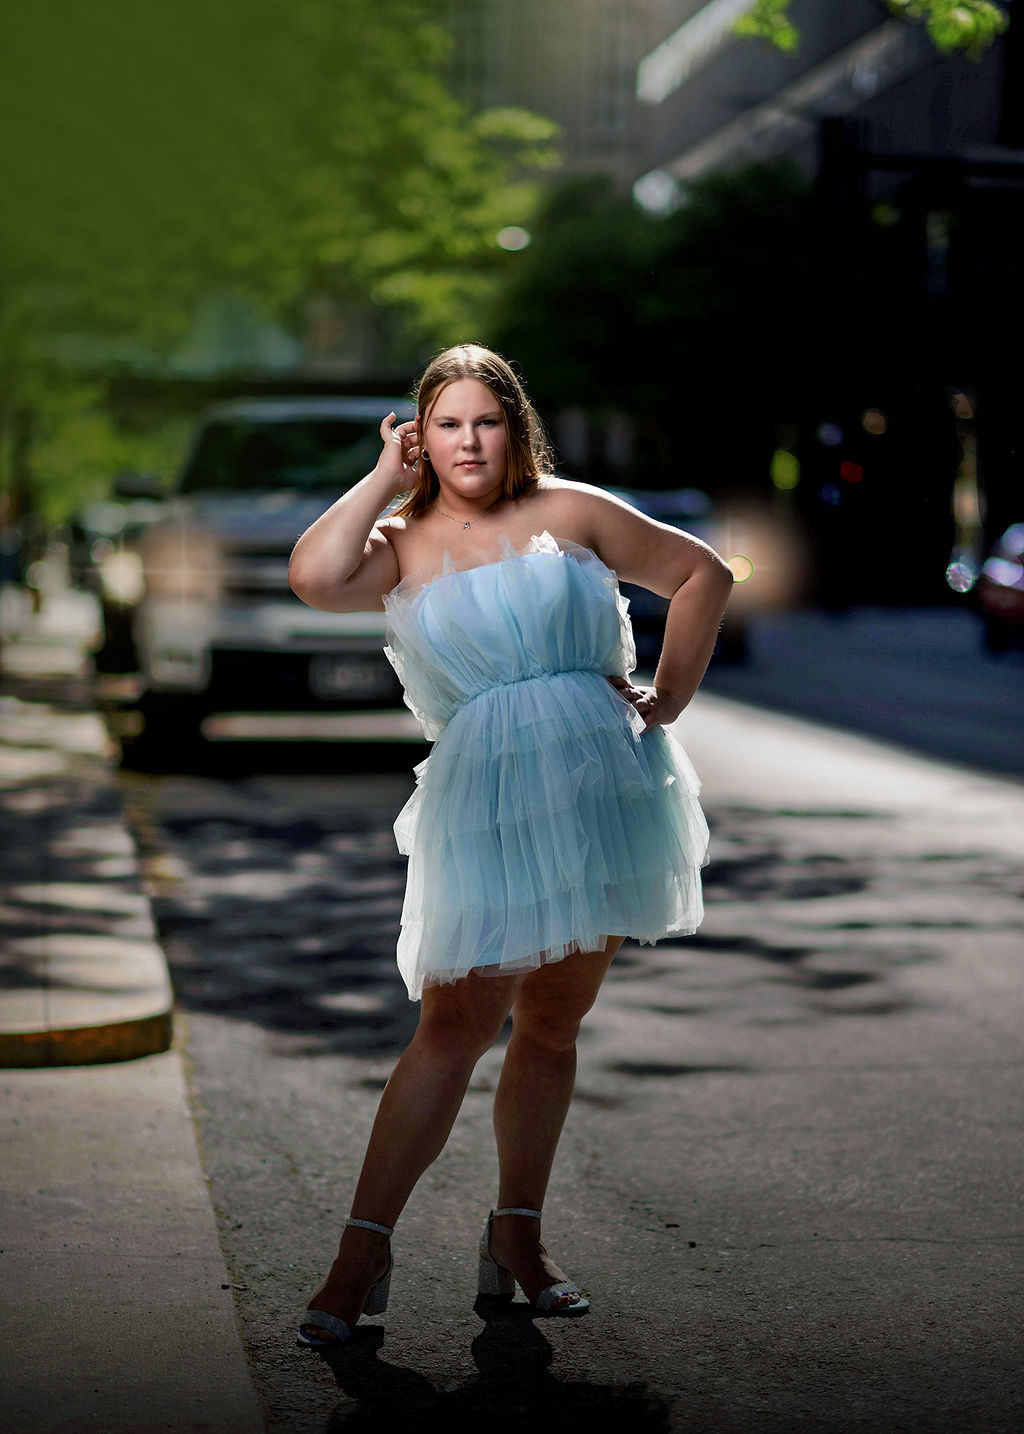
[999, 591]
[215, 625]
[765, 556]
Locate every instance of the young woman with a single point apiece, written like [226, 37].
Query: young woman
[554, 817]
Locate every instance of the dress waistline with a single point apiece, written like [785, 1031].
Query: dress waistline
[534, 677]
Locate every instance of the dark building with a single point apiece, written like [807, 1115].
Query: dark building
[902, 410]
[918, 169]
[715, 100]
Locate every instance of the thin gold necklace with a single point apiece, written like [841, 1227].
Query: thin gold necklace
[468, 523]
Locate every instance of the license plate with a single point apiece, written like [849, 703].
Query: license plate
[349, 677]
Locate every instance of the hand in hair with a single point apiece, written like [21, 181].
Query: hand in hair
[401, 452]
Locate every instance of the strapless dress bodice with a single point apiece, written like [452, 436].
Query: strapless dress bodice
[526, 615]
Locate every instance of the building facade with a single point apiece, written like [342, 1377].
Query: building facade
[714, 100]
[892, 134]
[573, 61]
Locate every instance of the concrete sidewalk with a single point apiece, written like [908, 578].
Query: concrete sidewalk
[117, 1313]
[83, 979]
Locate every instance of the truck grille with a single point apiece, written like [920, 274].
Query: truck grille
[255, 577]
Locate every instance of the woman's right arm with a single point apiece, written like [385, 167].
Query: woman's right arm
[343, 562]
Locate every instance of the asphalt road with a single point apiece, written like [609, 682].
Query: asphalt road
[790, 1179]
[919, 677]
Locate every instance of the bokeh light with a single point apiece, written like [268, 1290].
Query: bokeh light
[741, 567]
[1005, 572]
[785, 470]
[960, 576]
[830, 434]
[512, 237]
[874, 421]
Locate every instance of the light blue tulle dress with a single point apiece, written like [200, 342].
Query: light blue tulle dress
[545, 819]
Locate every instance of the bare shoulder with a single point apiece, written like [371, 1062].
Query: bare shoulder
[636, 547]
[553, 486]
[577, 507]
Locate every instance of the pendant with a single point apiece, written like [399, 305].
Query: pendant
[467, 525]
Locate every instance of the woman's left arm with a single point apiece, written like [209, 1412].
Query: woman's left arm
[674, 565]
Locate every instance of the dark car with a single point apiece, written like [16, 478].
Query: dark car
[765, 558]
[999, 591]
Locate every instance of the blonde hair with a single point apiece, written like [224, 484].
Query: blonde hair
[528, 454]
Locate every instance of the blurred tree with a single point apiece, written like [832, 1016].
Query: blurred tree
[151, 155]
[681, 322]
[741, 324]
[569, 309]
[970, 25]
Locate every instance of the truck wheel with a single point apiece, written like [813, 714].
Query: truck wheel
[116, 652]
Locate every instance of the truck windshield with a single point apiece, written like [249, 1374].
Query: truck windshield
[244, 454]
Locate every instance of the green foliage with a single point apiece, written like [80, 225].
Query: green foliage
[968, 25]
[153, 153]
[151, 156]
[78, 448]
[769, 20]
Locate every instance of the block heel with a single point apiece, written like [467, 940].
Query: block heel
[497, 1282]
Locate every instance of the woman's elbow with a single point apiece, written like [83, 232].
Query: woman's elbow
[302, 581]
[721, 574]
[711, 575]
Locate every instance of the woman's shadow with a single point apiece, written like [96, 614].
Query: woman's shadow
[514, 1390]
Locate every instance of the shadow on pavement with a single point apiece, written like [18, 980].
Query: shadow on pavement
[277, 892]
[515, 1389]
[278, 896]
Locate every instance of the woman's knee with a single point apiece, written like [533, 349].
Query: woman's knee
[553, 1025]
[455, 1025]
[553, 1001]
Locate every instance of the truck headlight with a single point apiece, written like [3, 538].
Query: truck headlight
[121, 577]
[183, 563]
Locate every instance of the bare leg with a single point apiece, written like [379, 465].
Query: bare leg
[414, 1119]
[532, 1101]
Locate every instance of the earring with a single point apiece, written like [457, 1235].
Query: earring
[424, 454]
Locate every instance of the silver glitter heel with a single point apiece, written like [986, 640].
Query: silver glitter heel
[499, 1283]
[376, 1301]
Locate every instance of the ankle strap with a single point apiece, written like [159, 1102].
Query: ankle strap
[516, 1210]
[370, 1225]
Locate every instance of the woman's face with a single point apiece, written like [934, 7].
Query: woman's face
[465, 438]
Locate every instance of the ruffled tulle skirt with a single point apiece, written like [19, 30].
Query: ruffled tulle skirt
[544, 821]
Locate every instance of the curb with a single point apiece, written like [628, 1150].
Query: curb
[87, 1045]
[83, 978]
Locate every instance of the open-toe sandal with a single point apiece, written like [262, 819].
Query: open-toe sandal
[336, 1331]
[498, 1282]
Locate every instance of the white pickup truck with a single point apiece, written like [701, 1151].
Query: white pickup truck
[216, 626]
